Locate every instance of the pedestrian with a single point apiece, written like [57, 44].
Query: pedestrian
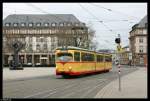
[10, 61]
[22, 59]
[130, 63]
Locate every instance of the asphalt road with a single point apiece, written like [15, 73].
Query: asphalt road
[53, 86]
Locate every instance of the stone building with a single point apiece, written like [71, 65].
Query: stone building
[42, 33]
[125, 56]
[138, 42]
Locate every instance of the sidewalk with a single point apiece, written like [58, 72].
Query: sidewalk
[133, 85]
[27, 72]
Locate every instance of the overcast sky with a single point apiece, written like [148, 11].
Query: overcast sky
[107, 19]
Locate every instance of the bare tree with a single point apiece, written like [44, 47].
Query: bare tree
[91, 42]
[13, 45]
[10, 41]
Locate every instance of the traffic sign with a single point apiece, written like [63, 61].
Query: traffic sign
[119, 49]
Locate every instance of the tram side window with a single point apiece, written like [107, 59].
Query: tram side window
[87, 57]
[64, 57]
[83, 57]
[99, 58]
[108, 59]
[90, 57]
[77, 56]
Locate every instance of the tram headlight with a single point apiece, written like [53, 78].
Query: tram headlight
[70, 68]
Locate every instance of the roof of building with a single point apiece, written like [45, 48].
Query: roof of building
[143, 22]
[41, 18]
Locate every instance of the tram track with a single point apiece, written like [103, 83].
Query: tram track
[80, 87]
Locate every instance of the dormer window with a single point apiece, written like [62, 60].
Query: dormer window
[83, 24]
[146, 25]
[46, 24]
[22, 24]
[53, 24]
[38, 24]
[30, 24]
[7, 24]
[69, 24]
[76, 24]
[15, 24]
[61, 24]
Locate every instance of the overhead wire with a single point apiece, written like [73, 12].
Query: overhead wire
[110, 10]
[95, 18]
[99, 21]
[125, 20]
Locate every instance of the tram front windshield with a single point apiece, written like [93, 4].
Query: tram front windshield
[64, 57]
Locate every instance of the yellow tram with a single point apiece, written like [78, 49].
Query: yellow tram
[77, 61]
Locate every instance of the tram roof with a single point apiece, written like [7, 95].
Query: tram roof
[77, 48]
[72, 48]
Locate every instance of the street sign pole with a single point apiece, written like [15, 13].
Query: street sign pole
[119, 72]
[119, 59]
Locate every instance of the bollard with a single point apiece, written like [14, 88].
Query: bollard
[119, 77]
[146, 66]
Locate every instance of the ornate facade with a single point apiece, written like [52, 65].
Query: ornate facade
[41, 34]
[138, 42]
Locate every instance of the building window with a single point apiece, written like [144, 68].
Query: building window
[37, 39]
[37, 47]
[146, 25]
[38, 24]
[140, 40]
[45, 47]
[46, 24]
[22, 24]
[83, 24]
[42, 39]
[144, 31]
[53, 24]
[69, 24]
[140, 31]
[76, 24]
[7, 24]
[30, 39]
[30, 24]
[29, 58]
[141, 49]
[15, 24]
[61, 24]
